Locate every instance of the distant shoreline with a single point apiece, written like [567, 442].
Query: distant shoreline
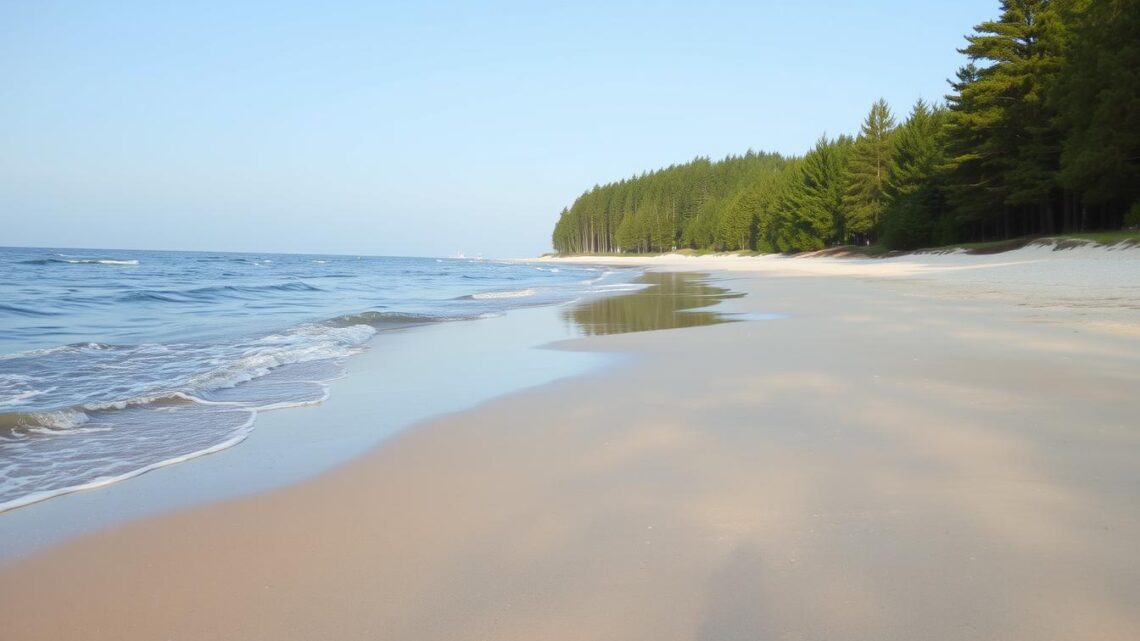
[1112, 240]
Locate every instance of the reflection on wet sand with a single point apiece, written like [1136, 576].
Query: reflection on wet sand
[668, 302]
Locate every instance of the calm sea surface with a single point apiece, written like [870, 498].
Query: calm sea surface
[113, 363]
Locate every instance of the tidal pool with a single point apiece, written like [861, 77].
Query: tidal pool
[669, 300]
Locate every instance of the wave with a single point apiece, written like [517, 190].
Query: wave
[99, 377]
[88, 414]
[223, 259]
[81, 261]
[25, 311]
[291, 286]
[113, 262]
[199, 294]
[240, 433]
[60, 451]
[58, 349]
[72, 420]
[382, 320]
[67, 420]
[23, 396]
[519, 293]
[151, 296]
[304, 356]
[592, 281]
[12, 424]
[334, 343]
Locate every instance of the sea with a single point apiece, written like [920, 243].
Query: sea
[114, 363]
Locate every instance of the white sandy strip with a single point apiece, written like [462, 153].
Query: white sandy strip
[1099, 285]
[1064, 260]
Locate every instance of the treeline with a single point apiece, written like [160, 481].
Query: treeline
[1039, 135]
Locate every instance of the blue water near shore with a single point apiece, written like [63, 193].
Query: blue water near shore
[113, 363]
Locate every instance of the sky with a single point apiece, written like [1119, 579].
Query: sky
[417, 129]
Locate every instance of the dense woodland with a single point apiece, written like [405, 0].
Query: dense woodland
[1040, 134]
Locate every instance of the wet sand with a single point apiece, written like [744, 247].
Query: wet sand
[938, 450]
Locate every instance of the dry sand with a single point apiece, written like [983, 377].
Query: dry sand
[923, 448]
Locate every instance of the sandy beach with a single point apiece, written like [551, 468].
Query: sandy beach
[927, 447]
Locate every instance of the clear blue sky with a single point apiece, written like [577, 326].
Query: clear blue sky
[416, 128]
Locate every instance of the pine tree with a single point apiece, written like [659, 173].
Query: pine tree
[1044, 119]
[737, 227]
[1098, 99]
[865, 199]
[914, 175]
[975, 189]
[809, 214]
[1008, 142]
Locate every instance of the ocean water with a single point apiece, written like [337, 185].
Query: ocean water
[113, 363]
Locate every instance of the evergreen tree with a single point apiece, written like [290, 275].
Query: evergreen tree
[737, 227]
[914, 190]
[1098, 96]
[865, 199]
[975, 189]
[1008, 140]
[1042, 132]
[810, 213]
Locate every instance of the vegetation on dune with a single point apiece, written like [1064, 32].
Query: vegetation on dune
[1039, 135]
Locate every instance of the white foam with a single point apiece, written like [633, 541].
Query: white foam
[60, 420]
[18, 397]
[301, 345]
[241, 433]
[622, 287]
[141, 400]
[269, 407]
[47, 351]
[603, 276]
[522, 293]
[101, 261]
[67, 431]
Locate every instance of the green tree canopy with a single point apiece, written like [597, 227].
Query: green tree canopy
[865, 199]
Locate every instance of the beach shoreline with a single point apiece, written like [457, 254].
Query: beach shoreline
[296, 444]
[930, 447]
